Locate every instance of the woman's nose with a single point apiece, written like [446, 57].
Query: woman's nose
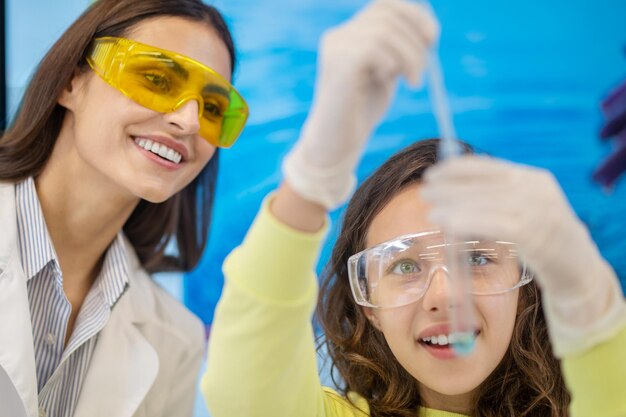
[185, 118]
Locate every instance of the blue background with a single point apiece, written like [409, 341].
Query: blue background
[525, 80]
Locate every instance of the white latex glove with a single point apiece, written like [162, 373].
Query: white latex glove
[582, 298]
[358, 68]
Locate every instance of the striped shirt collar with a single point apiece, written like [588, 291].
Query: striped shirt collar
[36, 249]
[114, 275]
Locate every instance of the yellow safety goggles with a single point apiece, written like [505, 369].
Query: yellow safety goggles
[163, 81]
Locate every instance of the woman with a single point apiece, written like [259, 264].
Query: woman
[386, 304]
[112, 156]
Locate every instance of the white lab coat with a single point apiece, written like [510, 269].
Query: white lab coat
[147, 358]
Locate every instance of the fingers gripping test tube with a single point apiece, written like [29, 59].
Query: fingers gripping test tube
[462, 311]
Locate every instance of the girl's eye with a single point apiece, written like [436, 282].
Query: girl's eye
[158, 81]
[405, 267]
[477, 259]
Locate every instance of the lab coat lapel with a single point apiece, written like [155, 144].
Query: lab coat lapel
[124, 365]
[17, 356]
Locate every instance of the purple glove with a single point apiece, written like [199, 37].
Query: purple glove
[614, 109]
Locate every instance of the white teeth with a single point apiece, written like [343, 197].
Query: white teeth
[441, 340]
[159, 149]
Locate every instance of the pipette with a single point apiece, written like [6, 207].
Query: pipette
[462, 315]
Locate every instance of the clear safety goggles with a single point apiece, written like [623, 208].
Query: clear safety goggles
[398, 272]
[163, 81]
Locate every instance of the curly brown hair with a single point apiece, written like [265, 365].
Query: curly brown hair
[527, 382]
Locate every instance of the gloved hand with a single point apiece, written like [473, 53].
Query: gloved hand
[359, 64]
[582, 298]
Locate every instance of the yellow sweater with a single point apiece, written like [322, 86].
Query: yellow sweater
[262, 360]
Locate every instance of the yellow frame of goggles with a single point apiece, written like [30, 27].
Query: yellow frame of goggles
[163, 81]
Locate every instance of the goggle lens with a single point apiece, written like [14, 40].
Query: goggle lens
[163, 81]
[399, 272]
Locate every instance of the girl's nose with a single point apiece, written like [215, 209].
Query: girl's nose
[439, 294]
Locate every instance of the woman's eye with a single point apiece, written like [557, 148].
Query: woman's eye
[212, 109]
[159, 81]
[405, 267]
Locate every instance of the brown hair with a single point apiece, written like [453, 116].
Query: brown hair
[527, 382]
[28, 142]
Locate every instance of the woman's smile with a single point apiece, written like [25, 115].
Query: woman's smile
[169, 156]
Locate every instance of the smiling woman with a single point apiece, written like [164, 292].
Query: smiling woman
[108, 151]
[112, 156]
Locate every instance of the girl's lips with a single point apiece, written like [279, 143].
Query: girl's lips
[442, 352]
[439, 329]
[435, 330]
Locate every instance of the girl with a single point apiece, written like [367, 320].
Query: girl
[386, 303]
[112, 155]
